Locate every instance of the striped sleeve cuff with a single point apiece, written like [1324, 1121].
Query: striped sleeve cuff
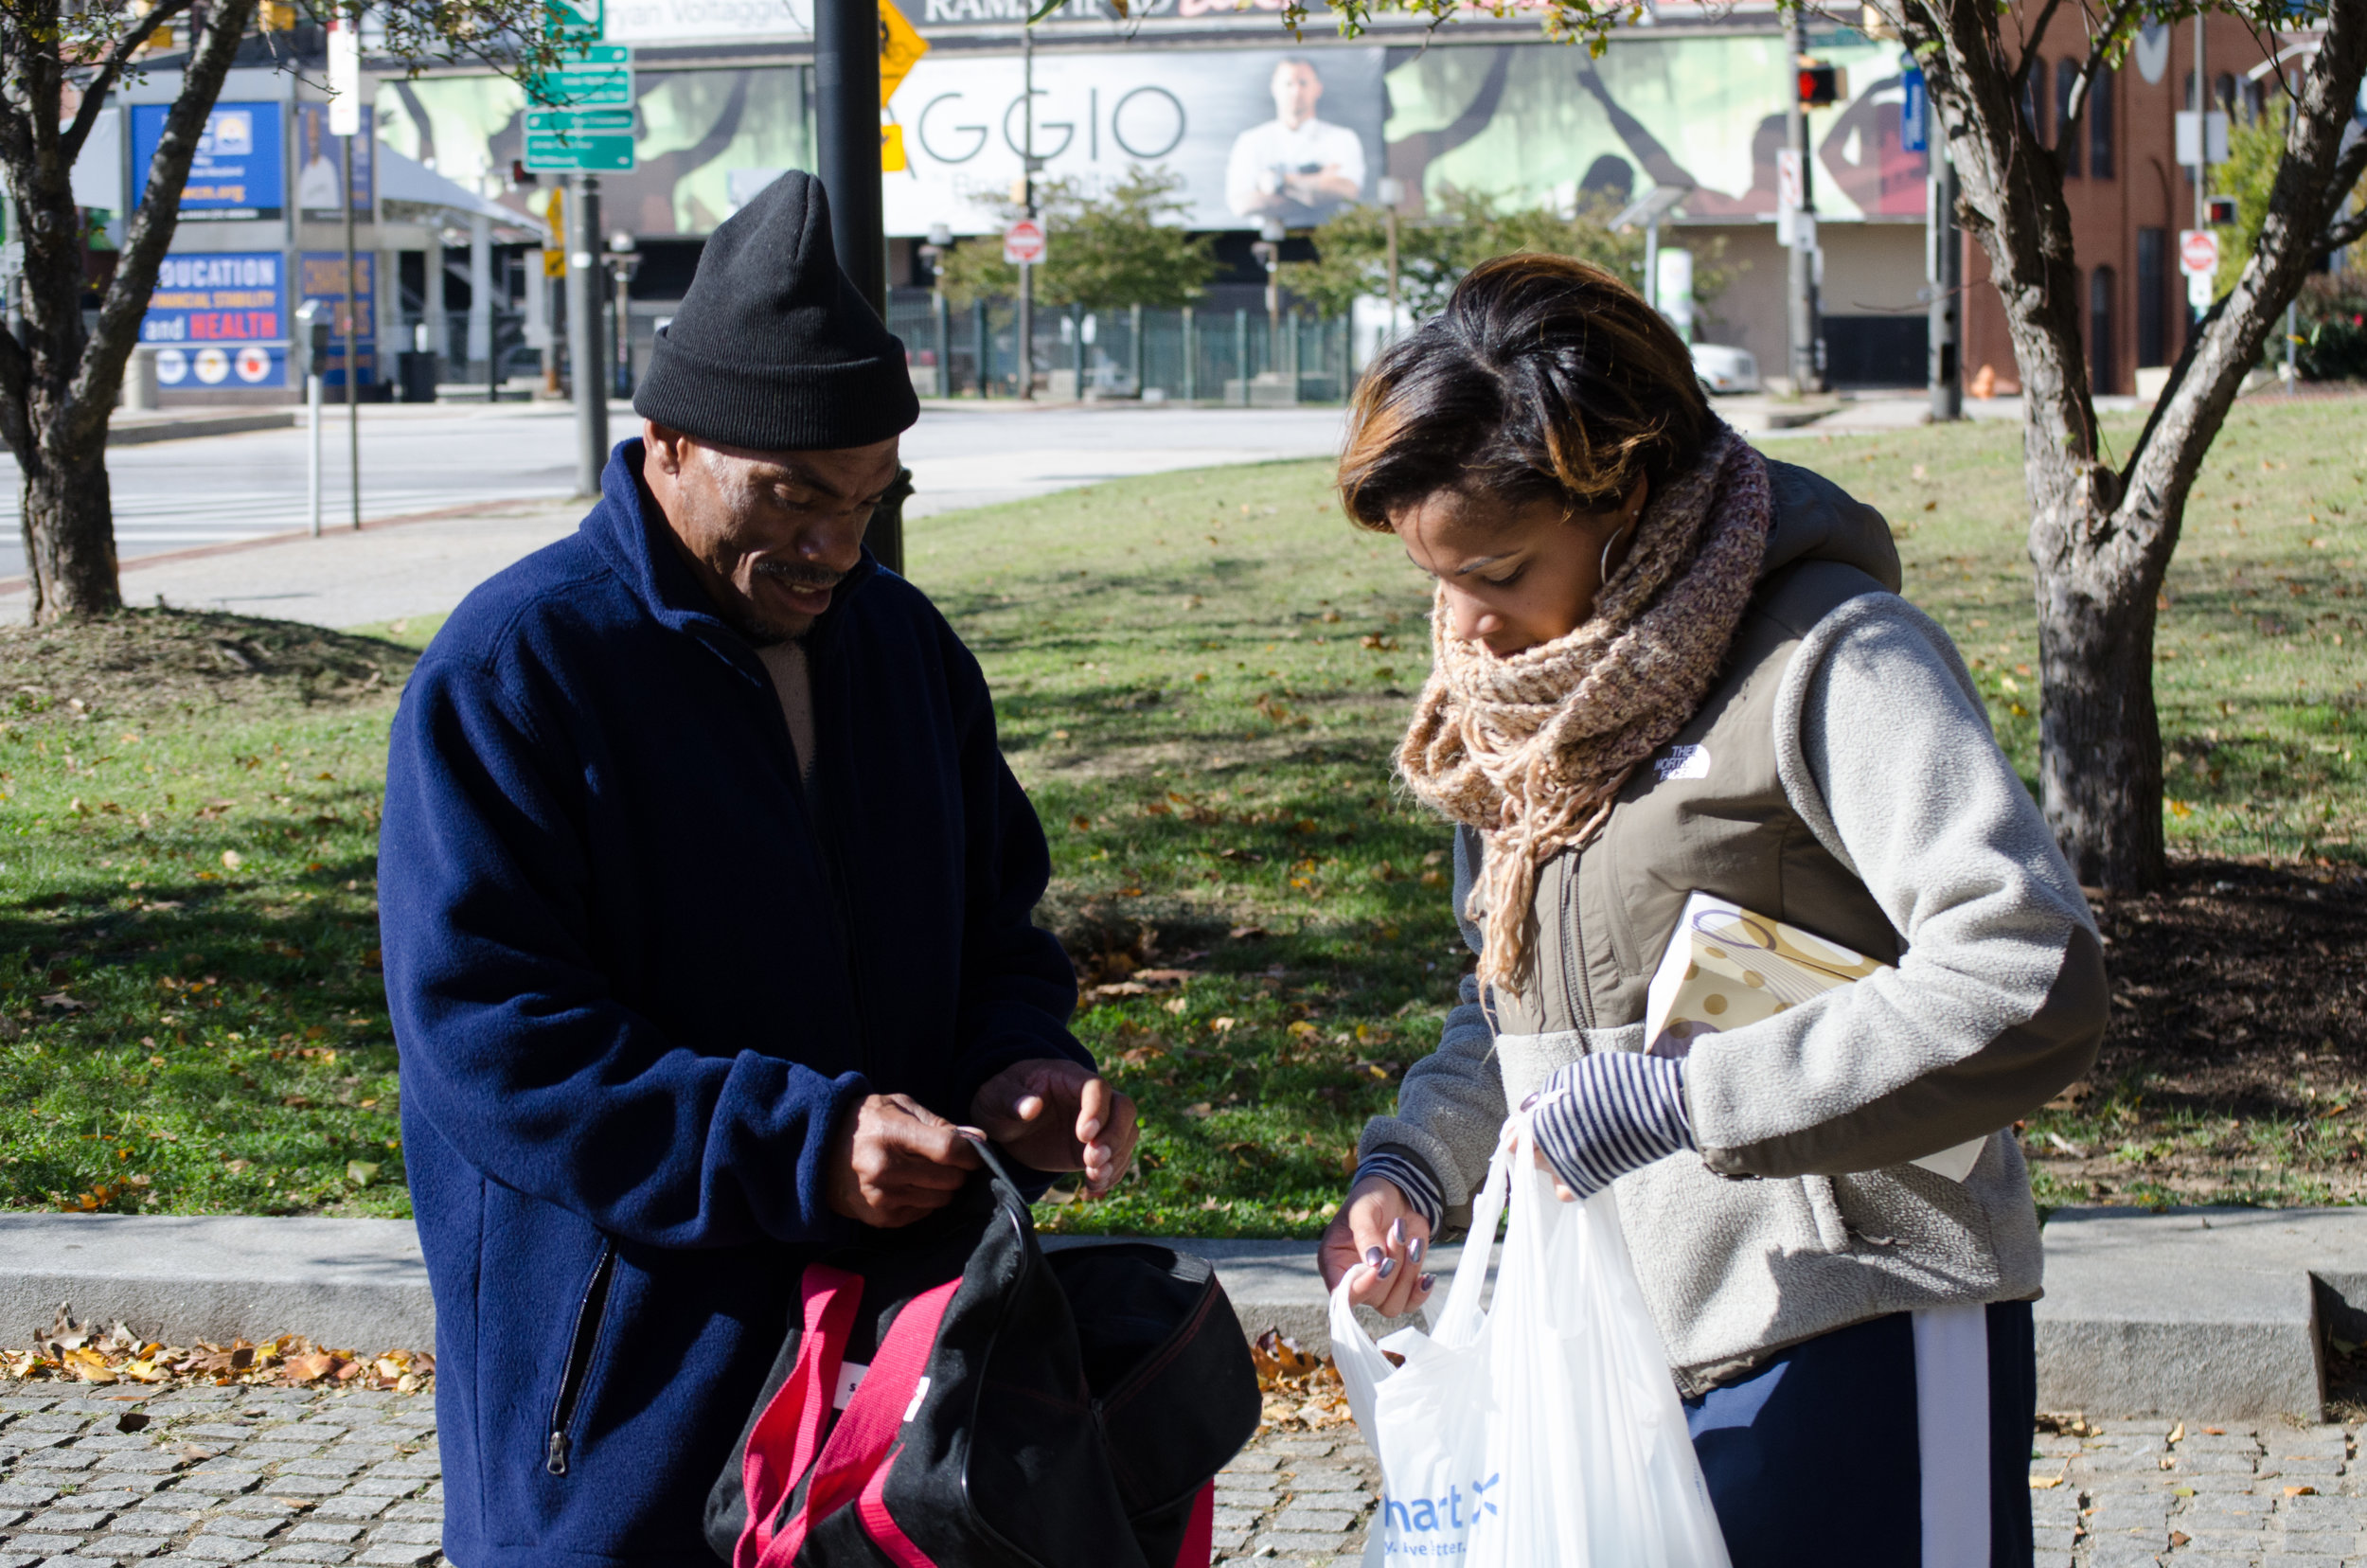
[1410, 1175]
[1608, 1113]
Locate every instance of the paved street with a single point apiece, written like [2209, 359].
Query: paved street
[285, 1475]
[170, 495]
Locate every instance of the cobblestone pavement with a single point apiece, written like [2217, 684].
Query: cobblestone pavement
[2198, 1496]
[230, 1475]
[217, 1475]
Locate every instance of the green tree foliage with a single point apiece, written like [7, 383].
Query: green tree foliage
[1463, 229]
[1103, 252]
[2254, 151]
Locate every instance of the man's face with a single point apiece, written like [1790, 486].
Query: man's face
[769, 533]
[1295, 89]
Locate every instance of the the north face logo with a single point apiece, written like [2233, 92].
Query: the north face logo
[1682, 762]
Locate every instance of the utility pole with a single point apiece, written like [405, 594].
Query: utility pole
[353, 358]
[586, 361]
[1027, 200]
[1808, 370]
[1945, 270]
[847, 117]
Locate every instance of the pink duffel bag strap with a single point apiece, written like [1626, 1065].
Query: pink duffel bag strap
[788, 1435]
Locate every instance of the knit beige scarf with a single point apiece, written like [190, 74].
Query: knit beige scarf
[1532, 750]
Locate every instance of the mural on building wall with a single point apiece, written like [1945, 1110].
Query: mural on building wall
[1252, 134]
[695, 129]
[1542, 125]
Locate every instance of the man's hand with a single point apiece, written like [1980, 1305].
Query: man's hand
[894, 1160]
[1053, 1114]
[1378, 1230]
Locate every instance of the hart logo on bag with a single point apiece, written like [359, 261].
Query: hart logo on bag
[1428, 1514]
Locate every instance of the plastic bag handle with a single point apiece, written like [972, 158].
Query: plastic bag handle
[1458, 1321]
[1362, 1367]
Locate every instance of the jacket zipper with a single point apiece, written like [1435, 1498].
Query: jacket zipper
[579, 1346]
[1581, 993]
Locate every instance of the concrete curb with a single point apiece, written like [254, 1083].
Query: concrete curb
[2199, 1312]
[189, 427]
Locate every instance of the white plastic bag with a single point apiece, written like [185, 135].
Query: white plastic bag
[1543, 1433]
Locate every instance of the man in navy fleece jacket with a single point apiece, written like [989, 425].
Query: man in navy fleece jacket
[708, 904]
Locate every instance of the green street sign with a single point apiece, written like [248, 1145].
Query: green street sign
[596, 76]
[580, 141]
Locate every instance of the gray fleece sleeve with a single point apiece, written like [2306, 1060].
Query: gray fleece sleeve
[1451, 1106]
[1884, 749]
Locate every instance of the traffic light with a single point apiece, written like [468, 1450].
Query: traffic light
[1821, 83]
[2220, 210]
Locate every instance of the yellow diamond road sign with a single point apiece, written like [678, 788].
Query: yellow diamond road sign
[900, 49]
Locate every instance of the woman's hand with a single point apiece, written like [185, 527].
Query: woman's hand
[1378, 1231]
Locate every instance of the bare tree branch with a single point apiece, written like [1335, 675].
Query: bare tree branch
[2031, 41]
[94, 93]
[2099, 51]
[99, 375]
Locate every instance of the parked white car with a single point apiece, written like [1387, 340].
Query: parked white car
[1724, 370]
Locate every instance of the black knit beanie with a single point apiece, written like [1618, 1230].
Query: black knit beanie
[772, 348]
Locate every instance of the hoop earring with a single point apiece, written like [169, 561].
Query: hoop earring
[1603, 571]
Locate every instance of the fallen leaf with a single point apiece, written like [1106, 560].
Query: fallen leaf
[2178, 1539]
[231, 860]
[312, 1368]
[1222, 1025]
[63, 1002]
[2301, 1491]
[2177, 1433]
[2045, 1483]
[1247, 933]
[361, 1172]
[2216, 1432]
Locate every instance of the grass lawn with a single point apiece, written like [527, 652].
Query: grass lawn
[1201, 677]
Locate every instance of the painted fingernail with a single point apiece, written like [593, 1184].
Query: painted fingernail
[1374, 1256]
[1388, 1267]
[1396, 1233]
[1530, 1101]
[1426, 1282]
[1414, 1253]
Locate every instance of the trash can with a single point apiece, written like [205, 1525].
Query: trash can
[414, 372]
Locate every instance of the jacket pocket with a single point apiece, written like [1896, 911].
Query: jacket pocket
[581, 1342]
[1832, 1228]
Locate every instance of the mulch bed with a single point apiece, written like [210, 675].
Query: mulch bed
[2239, 991]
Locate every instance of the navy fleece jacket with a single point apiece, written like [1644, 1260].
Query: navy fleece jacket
[637, 970]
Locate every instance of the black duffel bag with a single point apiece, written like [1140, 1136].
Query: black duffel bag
[954, 1397]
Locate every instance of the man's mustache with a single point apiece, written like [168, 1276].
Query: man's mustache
[812, 578]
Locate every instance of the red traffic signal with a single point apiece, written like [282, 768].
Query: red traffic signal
[2220, 210]
[1820, 85]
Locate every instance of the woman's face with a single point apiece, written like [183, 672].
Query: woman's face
[1516, 574]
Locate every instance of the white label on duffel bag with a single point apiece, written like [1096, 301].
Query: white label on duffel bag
[849, 1378]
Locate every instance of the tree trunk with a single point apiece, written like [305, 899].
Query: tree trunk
[69, 528]
[2099, 738]
[2101, 539]
[58, 387]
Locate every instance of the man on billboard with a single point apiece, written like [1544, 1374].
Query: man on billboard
[1294, 166]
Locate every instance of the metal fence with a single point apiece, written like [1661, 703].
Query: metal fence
[1240, 358]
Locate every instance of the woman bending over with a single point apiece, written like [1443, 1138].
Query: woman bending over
[1665, 665]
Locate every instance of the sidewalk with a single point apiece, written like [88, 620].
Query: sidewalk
[215, 1476]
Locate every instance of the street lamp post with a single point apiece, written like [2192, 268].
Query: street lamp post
[1267, 250]
[623, 261]
[1027, 201]
[932, 257]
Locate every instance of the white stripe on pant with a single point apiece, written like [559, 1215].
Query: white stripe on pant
[1952, 1432]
